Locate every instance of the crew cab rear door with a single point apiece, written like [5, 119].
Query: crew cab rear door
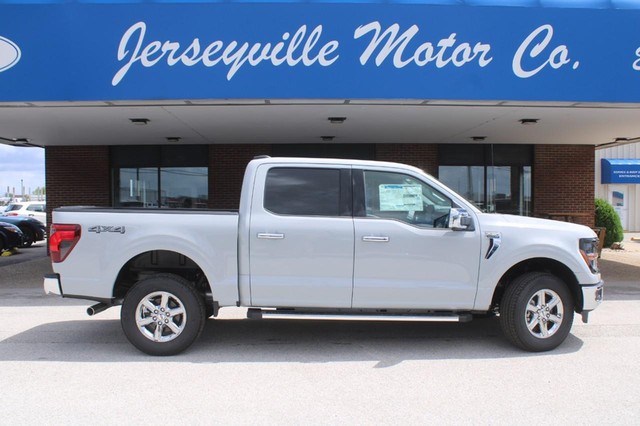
[301, 237]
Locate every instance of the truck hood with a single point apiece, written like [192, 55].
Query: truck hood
[504, 222]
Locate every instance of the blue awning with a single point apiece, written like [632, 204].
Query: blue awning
[620, 170]
[565, 4]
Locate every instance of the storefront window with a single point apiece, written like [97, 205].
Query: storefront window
[176, 180]
[138, 187]
[467, 181]
[184, 187]
[496, 178]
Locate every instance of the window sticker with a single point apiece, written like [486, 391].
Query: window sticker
[400, 198]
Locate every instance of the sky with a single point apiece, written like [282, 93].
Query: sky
[21, 163]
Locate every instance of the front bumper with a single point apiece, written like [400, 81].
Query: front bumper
[592, 296]
[52, 285]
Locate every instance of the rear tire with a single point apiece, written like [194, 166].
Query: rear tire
[536, 312]
[162, 315]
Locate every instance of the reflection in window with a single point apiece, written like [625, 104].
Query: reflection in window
[138, 187]
[303, 192]
[184, 187]
[467, 181]
[494, 189]
[167, 187]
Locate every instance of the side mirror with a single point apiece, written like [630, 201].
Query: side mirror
[460, 220]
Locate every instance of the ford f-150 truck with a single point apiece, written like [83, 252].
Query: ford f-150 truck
[326, 239]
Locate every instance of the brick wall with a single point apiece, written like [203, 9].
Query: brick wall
[77, 175]
[563, 181]
[424, 156]
[226, 170]
[227, 164]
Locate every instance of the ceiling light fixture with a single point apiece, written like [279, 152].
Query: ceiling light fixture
[139, 121]
[337, 120]
[529, 121]
[174, 138]
[327, 138]
[478, 138]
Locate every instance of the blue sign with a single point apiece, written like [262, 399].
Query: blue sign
[101, 52]
[620, 171]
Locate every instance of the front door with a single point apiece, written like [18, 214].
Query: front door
[405, 255]
[618, 199]
[301, 238]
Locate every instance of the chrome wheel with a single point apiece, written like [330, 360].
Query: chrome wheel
[544, 313]
[536, 311]
[161, 316]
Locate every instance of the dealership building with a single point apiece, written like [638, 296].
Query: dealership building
[162, 104]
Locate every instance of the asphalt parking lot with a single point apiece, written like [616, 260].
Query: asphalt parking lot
[60, 366]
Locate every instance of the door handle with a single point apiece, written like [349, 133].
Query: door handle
[269, 236]
[372, 239]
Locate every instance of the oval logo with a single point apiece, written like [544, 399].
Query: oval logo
[9, 54]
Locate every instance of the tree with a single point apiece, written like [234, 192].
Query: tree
[606, 217]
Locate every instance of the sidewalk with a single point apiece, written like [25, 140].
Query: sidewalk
[624, 264]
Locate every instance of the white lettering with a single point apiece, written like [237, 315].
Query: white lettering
[123, 52]
[300, 48]
[558, 57]
[636, 64]
[391, 42]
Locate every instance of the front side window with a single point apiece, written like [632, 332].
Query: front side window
[405, 198]
[303, 192]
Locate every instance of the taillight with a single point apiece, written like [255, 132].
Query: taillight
[62, 240]
[11, 214]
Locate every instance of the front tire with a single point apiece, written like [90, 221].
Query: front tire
[29, 237]
[536, 312]
[162, 315]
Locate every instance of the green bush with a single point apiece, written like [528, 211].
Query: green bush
[606, 217]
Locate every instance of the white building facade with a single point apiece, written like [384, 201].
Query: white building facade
[618, 181]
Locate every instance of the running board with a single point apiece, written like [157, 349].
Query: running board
[319, 316]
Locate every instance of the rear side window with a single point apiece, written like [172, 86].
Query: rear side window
[303, 192]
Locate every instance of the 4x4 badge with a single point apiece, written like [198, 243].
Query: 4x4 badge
[100, 228]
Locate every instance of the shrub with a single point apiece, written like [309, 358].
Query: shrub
[606, 217]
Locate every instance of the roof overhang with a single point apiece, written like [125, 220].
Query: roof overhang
[308, 121]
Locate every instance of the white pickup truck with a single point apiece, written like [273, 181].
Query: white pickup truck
[326, 239]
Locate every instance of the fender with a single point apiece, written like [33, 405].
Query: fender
[493, 269]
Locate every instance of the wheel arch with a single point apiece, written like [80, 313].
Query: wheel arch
[539, 264]
[162, 262]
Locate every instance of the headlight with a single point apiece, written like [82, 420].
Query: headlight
[589, 252]
[12, 228]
